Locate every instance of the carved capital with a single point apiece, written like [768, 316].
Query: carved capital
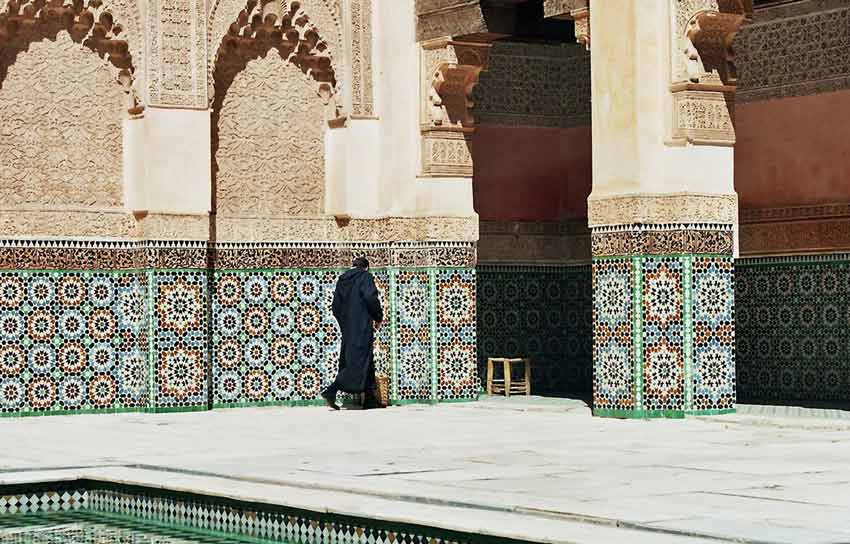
[706, 31]
[450, 71]
[454, 72]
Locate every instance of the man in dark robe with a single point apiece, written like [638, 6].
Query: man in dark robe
[358, 311]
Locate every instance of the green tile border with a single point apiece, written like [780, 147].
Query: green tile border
[637, 330]
[687, 330]
[424, 532]
[639, 414]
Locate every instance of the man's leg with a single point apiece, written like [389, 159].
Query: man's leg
[329, 395]
[369, 399]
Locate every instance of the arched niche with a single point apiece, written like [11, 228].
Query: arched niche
[274, 88]
[66, 85]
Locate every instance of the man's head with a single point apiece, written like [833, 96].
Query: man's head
[361, 262]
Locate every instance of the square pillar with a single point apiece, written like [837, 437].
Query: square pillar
[663, 209]
[663, 321]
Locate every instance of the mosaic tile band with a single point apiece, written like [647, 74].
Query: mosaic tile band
[194, 339]
[215, 516]
[83, 256]
[663, 336]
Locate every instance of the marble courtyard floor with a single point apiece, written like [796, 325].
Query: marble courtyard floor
[536, 469]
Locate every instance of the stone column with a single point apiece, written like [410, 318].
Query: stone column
[663, 207]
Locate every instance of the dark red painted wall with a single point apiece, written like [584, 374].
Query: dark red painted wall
[793, 151]
[531, 174]
[790, 152]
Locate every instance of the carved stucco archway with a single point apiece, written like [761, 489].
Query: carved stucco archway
[62, 113]
[92, 24]
[325, 15]
[273, 125]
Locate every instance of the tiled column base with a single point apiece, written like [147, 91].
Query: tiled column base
[663, 320]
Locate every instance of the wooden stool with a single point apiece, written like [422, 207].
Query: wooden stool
[506, 385]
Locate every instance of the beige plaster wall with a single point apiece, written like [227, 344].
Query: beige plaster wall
[632, 109]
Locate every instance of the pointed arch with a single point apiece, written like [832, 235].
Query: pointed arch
[308, 34]
[90, 23]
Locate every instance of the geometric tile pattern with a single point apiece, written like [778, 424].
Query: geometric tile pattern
[792, 316]
[542, 312]
[663, 376]
[72, 341]
[713, 330]
[28, 502]
[159, 338]
[275, 339]
[179, 330]
[414, 310]
[112, 512]
[457, 376]
[615, 342]
[664, 329]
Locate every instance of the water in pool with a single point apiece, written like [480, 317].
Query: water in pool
[91, 528]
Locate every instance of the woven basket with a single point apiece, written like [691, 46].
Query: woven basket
[383, 391]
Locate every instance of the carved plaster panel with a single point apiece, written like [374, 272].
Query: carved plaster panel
[362, 86]
[534, 85]
[93, 24]
[662, 209]
[45, 223]
[449, 73]
[325, 16]
[363, 230]
[62, 145]
[803, 229]
[157, 226]
[794, 49]
[268, 140]
[177, 54]
[663, 240]
[703, 117]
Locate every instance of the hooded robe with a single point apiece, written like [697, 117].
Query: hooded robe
[356, 307]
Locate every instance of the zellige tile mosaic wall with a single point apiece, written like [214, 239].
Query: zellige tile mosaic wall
[189, 328]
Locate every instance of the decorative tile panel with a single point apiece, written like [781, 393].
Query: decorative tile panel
[457, 377]
[792, 317]
[664, 327]
[663, 335]
[275, 339]
[615, 342]
[713, 332]
[72, 341]
[413, 332]
[541, 312]
[153, 337]
[179, 339]
[88, 511]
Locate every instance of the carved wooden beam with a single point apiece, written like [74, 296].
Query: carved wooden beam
[709, 37]
[703, 94]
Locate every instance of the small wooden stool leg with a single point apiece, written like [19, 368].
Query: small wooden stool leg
[528, 377]
[489, 376]
[507, 377]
